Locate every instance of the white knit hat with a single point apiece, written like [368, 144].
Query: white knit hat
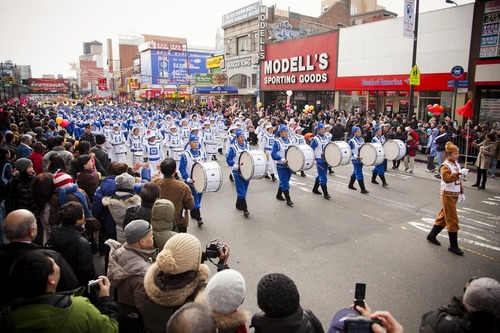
[225, 291]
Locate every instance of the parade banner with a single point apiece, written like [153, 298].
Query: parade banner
[49, 85]
[102, 83]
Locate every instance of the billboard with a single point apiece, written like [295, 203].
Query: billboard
[49, 85]
[172, 67]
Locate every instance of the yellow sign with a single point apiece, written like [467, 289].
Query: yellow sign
[415, 76]
[214, 62]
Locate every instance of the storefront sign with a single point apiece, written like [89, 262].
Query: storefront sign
[240, 15]
[247, 62]
[303, 64]
[490, 43]
[262, 32]
[214, 62]
[428, 82]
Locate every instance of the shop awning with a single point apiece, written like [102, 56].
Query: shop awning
[215, 90]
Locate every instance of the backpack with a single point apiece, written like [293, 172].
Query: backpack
[5, 181]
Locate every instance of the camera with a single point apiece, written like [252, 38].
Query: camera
[359, 324]
[212, 249]
[93, 285]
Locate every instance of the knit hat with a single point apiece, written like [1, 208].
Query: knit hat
[225, 291]
[239, 132]
[181, 253]
[125, 182]
[337, 324]
[277, 295]
[483, 295]
[23, 164]
[62, 179]
[136, 230]
[450, 147]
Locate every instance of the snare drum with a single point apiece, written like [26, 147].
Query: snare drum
[211, 147]
[137, 158]
[207, 177]
[120, 148]
[371, 154]
[224, 135]
[337, 153]
[219, 141]
[253, 164]
[394, 149]
[176, 154]
[299, 157]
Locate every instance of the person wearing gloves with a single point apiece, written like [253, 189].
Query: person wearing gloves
[173, 280]
[128, 264]
[318, 144]
[189, 157]
[224, 293]
[451, 191]
[355, 143]
[163, 222]
[232, 159]
[278, 153]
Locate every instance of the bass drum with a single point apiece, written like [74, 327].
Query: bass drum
[253, 164]
[299, 157]
[372, 154]
[137, 158]
[207, 177]
[211, 147]
[394, 149]
[337, 153]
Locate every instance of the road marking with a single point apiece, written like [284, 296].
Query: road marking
[476, 211]
[490, 203]
[373, 218]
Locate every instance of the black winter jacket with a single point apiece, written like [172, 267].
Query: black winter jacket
[301, 321]
[20, 194]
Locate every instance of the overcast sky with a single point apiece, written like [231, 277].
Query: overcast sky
[49, 34]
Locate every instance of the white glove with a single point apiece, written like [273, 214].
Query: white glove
[235, 167]
[189, 181]
[283, 161]
[464, 172]
[461, 198]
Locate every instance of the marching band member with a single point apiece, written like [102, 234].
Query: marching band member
[266, 147]
[379, 169]
[119, 144]
[298, 139]
[231, 138]
[329, 137]
[140, 125]
[107, 130]
[318, 143]
[135, 141]
[259, 130]
[153, 152]
[184, 131]
[232, 158]
[278, 152]
[207, 136]
[221, 127]
[355, 143]
[189, 157]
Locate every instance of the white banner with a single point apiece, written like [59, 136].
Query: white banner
[409, 18]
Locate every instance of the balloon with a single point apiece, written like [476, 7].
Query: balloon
[429, 106]
[306, 107]
[59, 120]
[441, 108]
[259, 104]
[65, 123]
[430, 114]
[305, 111]
[437, 114]
[435, 106]
[311, 107]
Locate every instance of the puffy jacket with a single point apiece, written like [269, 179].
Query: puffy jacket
[118, 204]
[139, 212]
[99, 211]
[20, 195]
[301, 321]
[162, 220]
[69, 241]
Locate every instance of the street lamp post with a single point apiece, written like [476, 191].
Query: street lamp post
[413, 61]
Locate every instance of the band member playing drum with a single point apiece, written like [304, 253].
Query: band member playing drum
[189, 157]
[232, 159]
[355, 143]
[278, 152]
[208, 137]
[135, 141]
[329, 136]
[266, 147]
[318, 143]
[118, 143]
[153, 152]
[379, 169]
[298, 139]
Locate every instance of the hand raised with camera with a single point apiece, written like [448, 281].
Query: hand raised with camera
[389, 323]
[104, 286]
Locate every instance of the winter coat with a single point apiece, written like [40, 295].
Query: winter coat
[10, 252]
[118, 204]
[301, 321]
[102, 155]
[88, 181]
[162, 220]
[20, 194]
[101, 212]
[180, 195]
[431, 143]
[58, 150]
[23, 151]
[441, 140]
[36, 159]
[126, 270]
[486, 154]
[59, 312]
[167, 293]
[70, 242]
[139, 212]
[55, 204]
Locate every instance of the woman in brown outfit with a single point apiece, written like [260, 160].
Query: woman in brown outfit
[487, 151]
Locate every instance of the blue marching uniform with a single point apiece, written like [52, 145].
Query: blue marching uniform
[355, 143]
[232, 159]
[318, 144]
[379, 170]
[188, 158]
[278, 154]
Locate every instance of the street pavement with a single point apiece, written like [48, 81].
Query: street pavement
[327, 246]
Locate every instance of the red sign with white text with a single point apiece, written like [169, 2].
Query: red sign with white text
[49, 85]
[428, 82]
[309, 63]
[102, 83]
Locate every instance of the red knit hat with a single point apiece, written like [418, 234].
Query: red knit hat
[62, 179]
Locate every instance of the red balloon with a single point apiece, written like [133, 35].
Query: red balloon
[429, 106]
[437, 114]
[435, 105]
[441, 108]
[65, 123]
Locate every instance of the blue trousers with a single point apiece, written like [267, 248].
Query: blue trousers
[379, 169]
[284, 174]
[322, 167]
[241, 185]
[197, 197]
[358, 170]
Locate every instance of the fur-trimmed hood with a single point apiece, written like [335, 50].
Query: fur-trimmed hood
[122, 199]
[158, 293]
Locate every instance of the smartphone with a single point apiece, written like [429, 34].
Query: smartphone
[359, 295]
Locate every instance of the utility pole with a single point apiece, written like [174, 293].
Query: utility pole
[413, 62]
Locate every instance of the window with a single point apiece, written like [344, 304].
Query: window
[240, 81]
[354, 9]
[243, 45]
[254, 80]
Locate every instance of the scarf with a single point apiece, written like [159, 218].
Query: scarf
[73, 189]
